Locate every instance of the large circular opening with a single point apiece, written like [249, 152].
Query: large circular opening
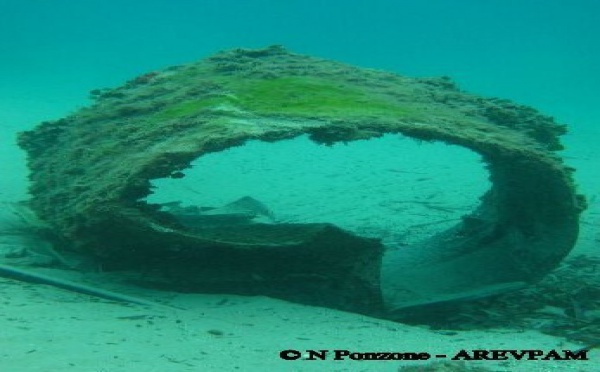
[394, 188]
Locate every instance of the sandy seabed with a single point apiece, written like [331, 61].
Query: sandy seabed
[43, 328]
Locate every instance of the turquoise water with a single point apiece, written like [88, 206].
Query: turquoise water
[543, 53]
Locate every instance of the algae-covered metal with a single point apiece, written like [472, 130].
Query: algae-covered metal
[91, 170]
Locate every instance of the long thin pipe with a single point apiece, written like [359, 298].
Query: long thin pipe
[31, 277]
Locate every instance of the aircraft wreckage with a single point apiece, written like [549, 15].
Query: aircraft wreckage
[91, 171]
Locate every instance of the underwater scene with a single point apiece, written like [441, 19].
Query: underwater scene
[316, 185]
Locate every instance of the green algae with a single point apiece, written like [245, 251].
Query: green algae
[291, 96]
[302, 96]
[191, 108]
